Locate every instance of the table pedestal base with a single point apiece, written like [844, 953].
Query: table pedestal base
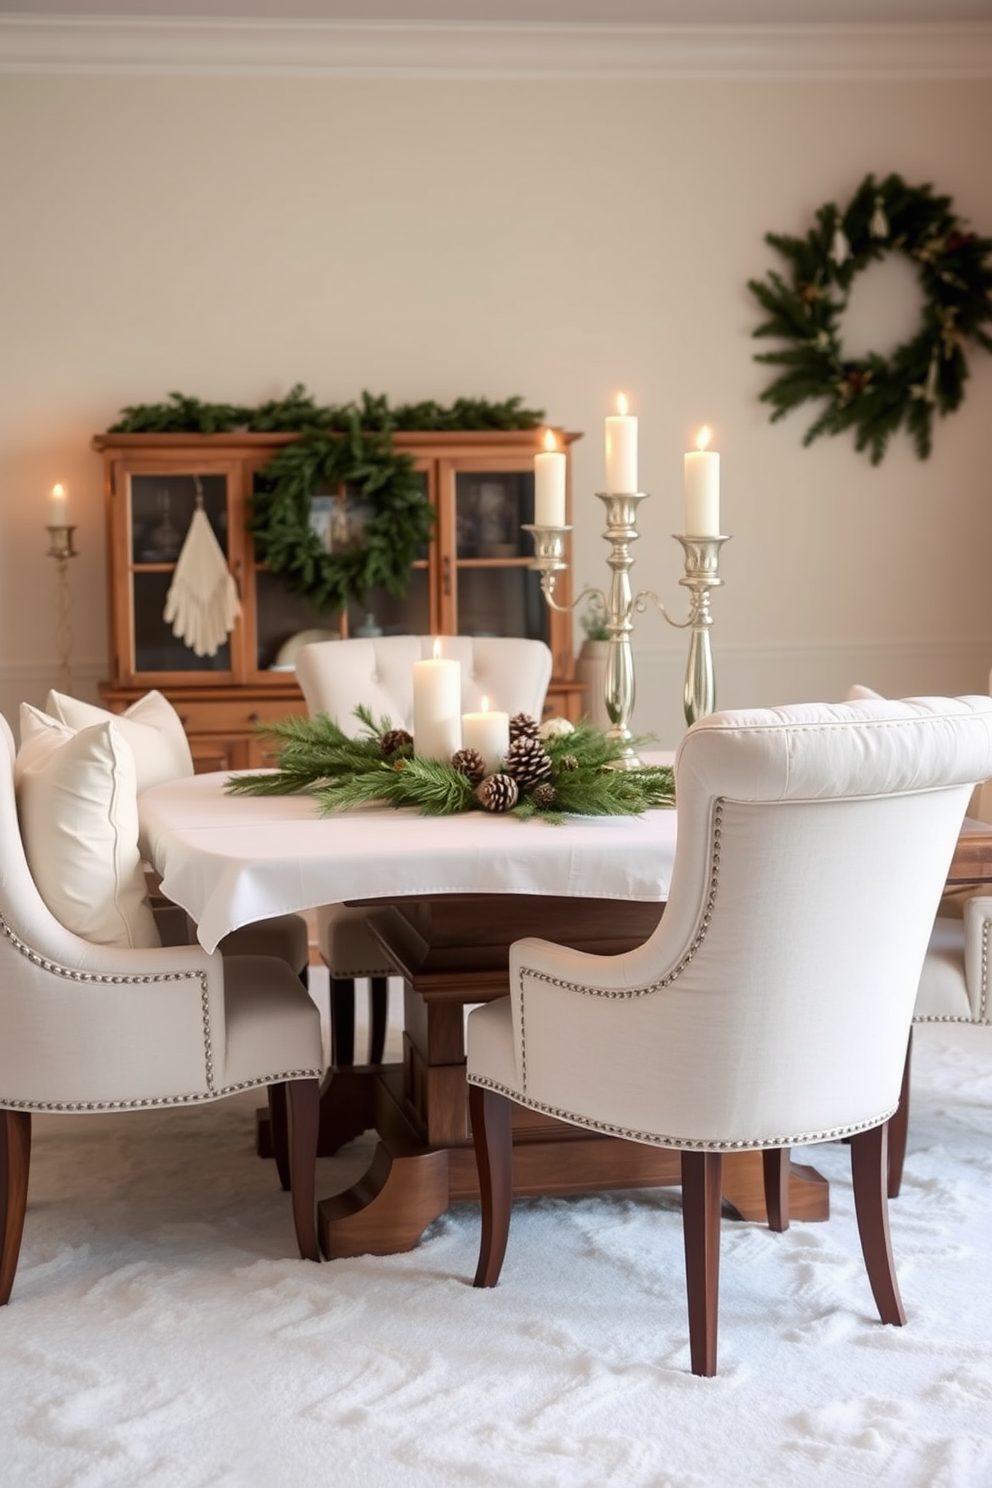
[452, 952]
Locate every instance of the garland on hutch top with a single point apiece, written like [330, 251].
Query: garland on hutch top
[340, 446]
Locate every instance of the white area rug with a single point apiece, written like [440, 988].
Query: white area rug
[160, 1335]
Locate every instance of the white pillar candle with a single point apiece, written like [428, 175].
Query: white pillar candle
[549, 485]
[702, 489]
[488, 732]
[621, 450]
[437, 707]
[58, 506]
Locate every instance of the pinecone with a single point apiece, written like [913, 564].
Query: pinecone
[469, 762]
[393, 740]
[498, 793]
[568, 762]
[522, 726]
[527, 761]
[544, 795]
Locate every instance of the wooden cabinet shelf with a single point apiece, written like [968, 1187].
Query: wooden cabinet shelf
[472, 578]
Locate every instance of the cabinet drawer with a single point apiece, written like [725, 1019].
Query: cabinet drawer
[237, 716]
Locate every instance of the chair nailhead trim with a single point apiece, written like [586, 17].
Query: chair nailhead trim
[689, 1144]
[627, 994]
[190, 1099]
[118, 980]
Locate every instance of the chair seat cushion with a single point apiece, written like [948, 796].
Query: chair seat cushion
[490, 1043]
[347, 944]
[285, 936]
[943, 991]
[273, 1025]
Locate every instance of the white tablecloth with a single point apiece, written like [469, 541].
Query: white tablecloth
[230, 860]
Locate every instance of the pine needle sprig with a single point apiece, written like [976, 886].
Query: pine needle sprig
[316, 757]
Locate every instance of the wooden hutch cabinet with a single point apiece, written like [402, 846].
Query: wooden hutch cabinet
[472, 578]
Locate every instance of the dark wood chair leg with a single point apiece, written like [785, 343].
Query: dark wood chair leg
[492, 1136]
[378, 1016]
[869, 1170]
[342, 1020]
[899, 1128]
[279, 1130]
[303, 1100]
[15, 1163]
[701, 1204]
[776, 1163]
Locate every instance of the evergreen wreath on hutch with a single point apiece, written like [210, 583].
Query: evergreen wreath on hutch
[875, 395]
[340, 446]
[550, 770]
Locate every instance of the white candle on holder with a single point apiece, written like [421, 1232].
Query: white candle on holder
[702, 489]
[621, 451]
[437, 706]
[549, 484]
[58, 506]
[488, 732]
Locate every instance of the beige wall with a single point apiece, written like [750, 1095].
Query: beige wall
[227, 237]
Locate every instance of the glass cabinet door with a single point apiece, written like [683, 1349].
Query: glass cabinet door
[160, 509]
[285, 620]
[498, 594]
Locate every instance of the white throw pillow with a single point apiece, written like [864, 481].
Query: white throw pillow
[151, 726]
[78, 810]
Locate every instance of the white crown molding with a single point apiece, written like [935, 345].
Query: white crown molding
[111, 44]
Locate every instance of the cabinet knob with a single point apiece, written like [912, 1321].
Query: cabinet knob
[254, 718]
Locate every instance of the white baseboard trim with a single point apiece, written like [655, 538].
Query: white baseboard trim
[529, 50]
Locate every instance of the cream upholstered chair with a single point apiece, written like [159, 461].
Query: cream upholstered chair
[954, 988]
[337, 676]
[88, 1026]
[772, 1005]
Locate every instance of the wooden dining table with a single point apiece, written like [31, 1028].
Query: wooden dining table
[446, 897]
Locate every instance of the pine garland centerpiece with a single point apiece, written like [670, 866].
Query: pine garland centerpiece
[873, 395]
[551, 770]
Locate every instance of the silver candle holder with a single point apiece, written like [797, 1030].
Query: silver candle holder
[620, 604]
[60, 547]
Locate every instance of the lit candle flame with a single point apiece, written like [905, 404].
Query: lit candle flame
[58, 491]
[550, 442]
[437, 648]
[485, 705]
[622, 404]
[703, 437]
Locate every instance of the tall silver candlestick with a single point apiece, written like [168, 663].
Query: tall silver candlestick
[620, 604]
[60, 547]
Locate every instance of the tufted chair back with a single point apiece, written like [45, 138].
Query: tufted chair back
[335, 676]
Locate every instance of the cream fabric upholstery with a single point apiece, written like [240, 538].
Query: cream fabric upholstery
[513, 673]
[772, 1005]
[336, 676]
[87, 1027]
[78, 809]
[151, 726]
[954, 986]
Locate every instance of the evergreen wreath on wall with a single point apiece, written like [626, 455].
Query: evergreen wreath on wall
[339, 446]
[874, 395]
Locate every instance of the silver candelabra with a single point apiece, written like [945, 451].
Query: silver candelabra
[702, 562]
[60, 547]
